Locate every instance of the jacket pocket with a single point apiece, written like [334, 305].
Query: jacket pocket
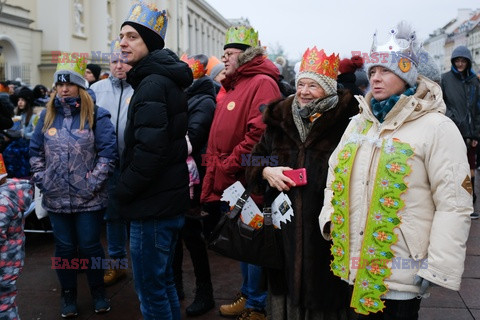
[412, 239]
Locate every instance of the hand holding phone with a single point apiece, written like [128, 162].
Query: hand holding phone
[299, 176]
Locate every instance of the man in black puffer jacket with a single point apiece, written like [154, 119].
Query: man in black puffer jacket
[153, 187]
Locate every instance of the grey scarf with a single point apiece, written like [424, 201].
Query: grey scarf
[301, 116]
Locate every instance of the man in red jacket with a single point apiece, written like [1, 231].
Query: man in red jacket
[251, 81]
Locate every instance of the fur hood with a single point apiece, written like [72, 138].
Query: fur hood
[249, 54]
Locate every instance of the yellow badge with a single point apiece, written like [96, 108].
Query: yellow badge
[52, 131]
[230, 105]
[467, 185]
[404, 64]
[128, 100]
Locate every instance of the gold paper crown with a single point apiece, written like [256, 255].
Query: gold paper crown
[242, 35]
[149, 16]
[393, 46]
[72, 62]
[198, 69]
[317, 62]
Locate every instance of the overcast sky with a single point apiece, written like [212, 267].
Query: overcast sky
[337, 25]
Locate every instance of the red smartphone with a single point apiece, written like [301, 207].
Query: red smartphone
[299, 176]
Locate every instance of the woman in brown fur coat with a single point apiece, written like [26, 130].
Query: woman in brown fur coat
[302, 131]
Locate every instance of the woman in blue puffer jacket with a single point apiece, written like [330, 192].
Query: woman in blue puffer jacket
[73, 150]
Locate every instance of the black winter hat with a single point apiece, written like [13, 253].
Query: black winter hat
[96, 69]
[152, 40]
[22, 92]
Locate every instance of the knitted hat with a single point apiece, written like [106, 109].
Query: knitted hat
[427, 66]
[216, 70]
[241, 37]
[212, 62]
[197, 63]
[398, 54]
[350, 65]
[150, 23]
[70, 68]
[323, 69]
[95, 69]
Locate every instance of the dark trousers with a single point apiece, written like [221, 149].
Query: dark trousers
[194, 234]
[394, 310]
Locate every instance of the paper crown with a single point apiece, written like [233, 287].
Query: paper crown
[317, 62]
[149, 16]
[242, 35]
[72, 63]
[115, 46]
[3, 169]
[198, 68]
[393, 46]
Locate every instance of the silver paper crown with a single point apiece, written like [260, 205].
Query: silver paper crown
[392, 45]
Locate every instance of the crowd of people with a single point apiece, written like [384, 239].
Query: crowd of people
[389, 146]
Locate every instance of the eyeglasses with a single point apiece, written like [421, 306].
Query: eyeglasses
[227, 55]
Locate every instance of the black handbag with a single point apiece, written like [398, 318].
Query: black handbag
[234, 239]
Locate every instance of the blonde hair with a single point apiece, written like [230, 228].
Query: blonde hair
[86, 110]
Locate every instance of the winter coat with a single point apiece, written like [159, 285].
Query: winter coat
[6, 111]
[307, 254]
[462, 97]
[15, 198]
[201, 108]
[237, 125]
[154, 177]
[71, 166]
[114, 95]
[435, 219]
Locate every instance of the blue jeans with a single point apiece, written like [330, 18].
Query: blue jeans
[116, 225]
[152, 247]
[77, 235]
[256, 298]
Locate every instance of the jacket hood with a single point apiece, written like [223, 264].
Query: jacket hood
[462, 51]
[250, 63]
[162, 62]
[203, 86]
[428, 98]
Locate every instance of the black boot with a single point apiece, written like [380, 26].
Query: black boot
[203, 301]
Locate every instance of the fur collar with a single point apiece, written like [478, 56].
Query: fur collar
[249, 54]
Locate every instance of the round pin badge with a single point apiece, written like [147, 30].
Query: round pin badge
[231, 105]
[52, 131]
[404, 64]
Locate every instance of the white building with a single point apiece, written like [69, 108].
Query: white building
[436, 43]
[32, 32]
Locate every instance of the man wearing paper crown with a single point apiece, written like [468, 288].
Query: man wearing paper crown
[114, 94]
[251, 81]
[398, 198]
[152, 189]
[302, 131]
[72, 154]
[201, 107]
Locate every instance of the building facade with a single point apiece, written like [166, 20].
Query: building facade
[33, 32]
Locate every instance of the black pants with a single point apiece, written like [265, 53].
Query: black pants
[394, 310]
[194, 233]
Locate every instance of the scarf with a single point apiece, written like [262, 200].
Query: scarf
[381, 108]
[304, 117]
[72, 102]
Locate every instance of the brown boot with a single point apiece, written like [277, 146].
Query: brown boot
[111, 276]
[252, 314]
[235, 308]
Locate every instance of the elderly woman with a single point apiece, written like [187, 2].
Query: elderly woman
[73, 150]
[302, 131]
[398, 195]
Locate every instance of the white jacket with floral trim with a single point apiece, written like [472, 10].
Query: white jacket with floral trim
[435, 221]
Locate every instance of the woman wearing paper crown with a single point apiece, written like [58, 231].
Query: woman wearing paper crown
[73, 151]
[398, 194]
[302, 131]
